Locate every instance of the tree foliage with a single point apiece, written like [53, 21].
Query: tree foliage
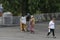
[24, 6]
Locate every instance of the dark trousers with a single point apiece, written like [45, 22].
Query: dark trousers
[51, 30]
[28, 25]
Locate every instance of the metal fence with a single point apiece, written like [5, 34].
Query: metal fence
[38, 17]
[45, 17]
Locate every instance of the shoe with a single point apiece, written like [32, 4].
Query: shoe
[33, 32]
[27, 30]
[47, 36]
[21, 31]
[54, 37]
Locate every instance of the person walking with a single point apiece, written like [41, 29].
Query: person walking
[32, 23]
[51, 28]
[23, 23]
[28, 17]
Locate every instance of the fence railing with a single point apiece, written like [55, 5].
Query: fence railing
[45, 17]
[38, 18]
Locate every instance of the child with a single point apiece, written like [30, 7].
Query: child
[52, 27]
[32, 23]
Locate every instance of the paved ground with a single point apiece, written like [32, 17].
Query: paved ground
[13, 33]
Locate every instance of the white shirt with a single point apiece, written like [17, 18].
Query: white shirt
[23, 20]
[51, 25]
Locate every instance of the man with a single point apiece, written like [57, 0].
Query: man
[23, 23]
[51, 27]
[28, 22]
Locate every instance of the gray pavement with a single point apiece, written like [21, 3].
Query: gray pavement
[13, 33]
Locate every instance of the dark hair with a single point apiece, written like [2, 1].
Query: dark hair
[28, 17]
[23, 15]
[53, 18]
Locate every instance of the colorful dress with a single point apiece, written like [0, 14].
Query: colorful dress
[32, 23]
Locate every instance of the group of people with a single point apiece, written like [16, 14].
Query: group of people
[27, 23]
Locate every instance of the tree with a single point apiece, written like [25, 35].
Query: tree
[32, 6]
[24, 7]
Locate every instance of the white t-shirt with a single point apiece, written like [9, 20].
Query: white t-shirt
[23, 20]
[51, 25]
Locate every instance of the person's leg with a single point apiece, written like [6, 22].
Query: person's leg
[32, 29]
[25, 29]
[49, 32]
[53, 33]
[21, 27]
[28, 26]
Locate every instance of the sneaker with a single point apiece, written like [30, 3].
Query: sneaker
[47, 36]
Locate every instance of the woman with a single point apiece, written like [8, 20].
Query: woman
[32, 23]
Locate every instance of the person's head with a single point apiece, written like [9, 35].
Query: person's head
[23, 15]
[28, 14]
[53, 19]
[32, 16]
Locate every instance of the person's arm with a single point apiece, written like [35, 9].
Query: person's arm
[49, 25]
[33, 21]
